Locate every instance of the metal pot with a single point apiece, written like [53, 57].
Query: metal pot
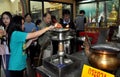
[105, 61]
[104, 56]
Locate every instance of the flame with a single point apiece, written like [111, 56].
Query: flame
[56, 24]
[67, 26]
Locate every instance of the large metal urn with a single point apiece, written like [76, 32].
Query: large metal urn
[104, 56]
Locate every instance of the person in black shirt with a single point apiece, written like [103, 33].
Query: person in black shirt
[66, 21]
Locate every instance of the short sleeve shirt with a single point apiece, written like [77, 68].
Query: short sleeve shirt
[80, 22]
[29, 27]
[17, 55]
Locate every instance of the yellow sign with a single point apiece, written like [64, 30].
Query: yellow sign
[93, 72]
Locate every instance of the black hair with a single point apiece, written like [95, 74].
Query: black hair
[9, 15]
[66, 11]
[82, 12]
[15, 26]
[27, 15]
[53, 17]
[37, 22]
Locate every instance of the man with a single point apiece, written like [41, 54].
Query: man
[80, 22]
[29, 25]
[44, 40]
[66, 21]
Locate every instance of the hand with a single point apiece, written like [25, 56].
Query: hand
[2, 33]
[33, 30]
[58, 25]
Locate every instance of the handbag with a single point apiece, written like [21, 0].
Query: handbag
[2, 49]
[2, 53]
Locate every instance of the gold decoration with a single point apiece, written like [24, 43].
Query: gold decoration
[113, 15]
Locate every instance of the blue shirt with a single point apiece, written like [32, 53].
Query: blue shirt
[17, 55]
[29, 27]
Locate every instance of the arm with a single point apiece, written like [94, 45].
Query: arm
[38, 33]
[85, 21]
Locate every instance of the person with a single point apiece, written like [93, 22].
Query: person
[66, 21]
[30, 27]
[53, 19]
[101, 21]
[44, 40]
[0, 21]
[16, 39]
[80, 22]
[37, 23]
[6, 22]
[37, 47]
[55, 22]
[1, 34]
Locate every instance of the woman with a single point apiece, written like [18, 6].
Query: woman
[6, 18]
[16, 40]
[37, 23]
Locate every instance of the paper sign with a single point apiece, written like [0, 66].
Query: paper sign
[89, 71]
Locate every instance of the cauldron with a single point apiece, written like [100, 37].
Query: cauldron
[104, 56]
